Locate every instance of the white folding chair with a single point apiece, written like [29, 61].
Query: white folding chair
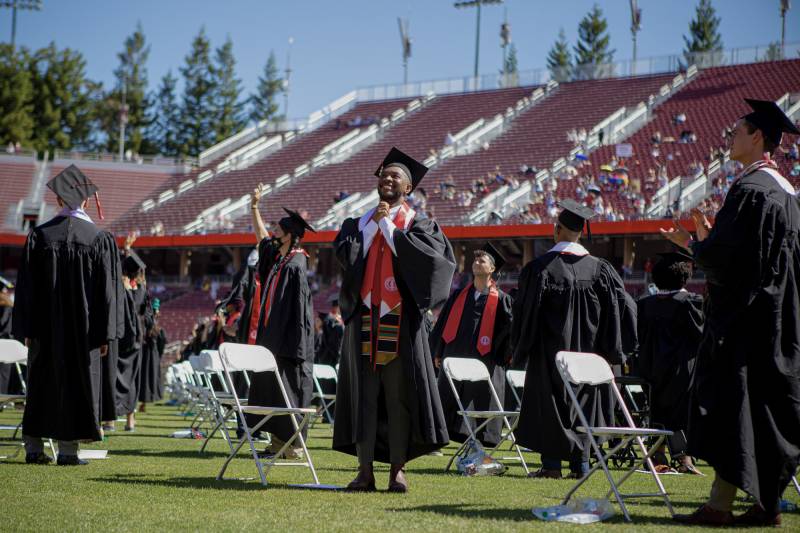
[587, 369]
[467, 369]
[516, 381]
[325, 372]
[222, 403]
[254, 358]
[14, 353]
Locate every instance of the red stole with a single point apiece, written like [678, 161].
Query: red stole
[255, 308]
[273, 282]
[379, 283]
[486, 331]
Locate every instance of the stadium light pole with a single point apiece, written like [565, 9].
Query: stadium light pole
[286, 79]
[14, 5]
[505, 40]
[785, 6]
[477, 4]
[636, 25]
[405, 42]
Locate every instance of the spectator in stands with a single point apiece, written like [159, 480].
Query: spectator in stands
[793, 153]
[688, 137]
[340, 196]
[464, 198]
[512, 182]
[498, 177]
[479, 188]
[679, 119]
[449, 140]
[495, 218]
[656, 138]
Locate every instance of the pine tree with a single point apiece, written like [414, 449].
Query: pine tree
[704, 43]
[197, 109]
[130, 91]
[228, 90]
[63, 110]
[16, 98]
[592, 53]
[511, 61]
[264, 103]
[165, 119]
[559, 60]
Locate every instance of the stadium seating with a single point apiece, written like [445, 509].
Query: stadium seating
[712, 101]
[417, 135]
[16, 176]
[175, 214]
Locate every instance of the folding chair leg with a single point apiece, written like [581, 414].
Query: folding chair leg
[649, 462]
[796, 484]
[604, 466]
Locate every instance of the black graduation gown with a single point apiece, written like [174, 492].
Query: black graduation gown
[9, 378]
[330, 347]
[289, 335]
[242, 288]
[129, 358]
[565, 302]
[150, 389]
[474, 396]
[670, 328]
[66, 302]
[423, 269]
[745, 415]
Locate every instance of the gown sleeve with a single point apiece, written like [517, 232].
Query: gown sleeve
[611, 291]
[23, 320]
[525, 312]
[106, 315]
[501, 341]
[425, 262]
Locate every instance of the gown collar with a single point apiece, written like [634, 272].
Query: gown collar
[570, 248]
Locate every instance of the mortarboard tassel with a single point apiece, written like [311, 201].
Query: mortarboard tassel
[99, 207]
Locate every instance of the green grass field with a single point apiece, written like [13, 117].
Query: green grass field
[154, 483]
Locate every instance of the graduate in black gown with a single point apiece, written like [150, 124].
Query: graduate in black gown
[670, 325]
[285, 323]
[129, 347]
[330, 348]
[66, 310]
[155, 339]
[9, 377]
[745, 411]
[396, 264]
[567, 300]
[475, 323]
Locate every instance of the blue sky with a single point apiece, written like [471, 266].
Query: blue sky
[345, 44]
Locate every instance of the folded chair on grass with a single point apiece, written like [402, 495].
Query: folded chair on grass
[328, 373]
[467, 369]
[516, 382]
[587, 369]
[254, 358]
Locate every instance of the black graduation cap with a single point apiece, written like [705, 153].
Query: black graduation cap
[73, 187]
[574, 215]
[295, 224]
[497, 257]
[132, 263]
[333, 299]
[770, 119]
[5, 284]
[678, 255]
[413, 168]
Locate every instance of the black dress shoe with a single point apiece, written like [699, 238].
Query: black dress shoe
[70, 460]
[705, 516]
[39, 458]
[756, 516]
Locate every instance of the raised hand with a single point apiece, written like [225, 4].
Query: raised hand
[258, 192]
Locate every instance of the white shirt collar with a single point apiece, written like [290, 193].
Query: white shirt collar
[77, 213]
[366, 218]
[572, 248]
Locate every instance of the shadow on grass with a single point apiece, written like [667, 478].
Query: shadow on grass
[175, 454]
[516, 514]
[246, 485]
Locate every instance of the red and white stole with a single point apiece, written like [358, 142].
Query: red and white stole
[379, 288]
[273, 282]
[487, 320]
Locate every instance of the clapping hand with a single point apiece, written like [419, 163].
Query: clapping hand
[677, 234]
[701, 224]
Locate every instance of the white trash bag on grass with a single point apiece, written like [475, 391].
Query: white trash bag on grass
[582, 511]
